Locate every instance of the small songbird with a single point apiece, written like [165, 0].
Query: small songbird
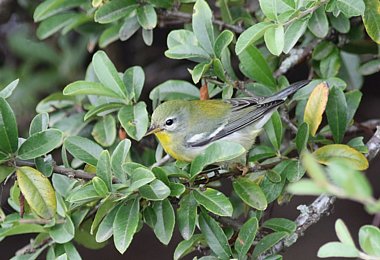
[186, 128]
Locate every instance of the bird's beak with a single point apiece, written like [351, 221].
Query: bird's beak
[152, 129]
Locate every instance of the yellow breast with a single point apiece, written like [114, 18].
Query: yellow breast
[166, 141]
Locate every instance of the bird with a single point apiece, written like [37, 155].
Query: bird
[185, 128]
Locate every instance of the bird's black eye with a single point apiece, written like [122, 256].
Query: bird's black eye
[169, 122]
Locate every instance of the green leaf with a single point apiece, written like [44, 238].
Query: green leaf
[337, 249]
[350, 70]
[7, 91]
[353, 99]
[202, 25]
[100, 186]
[218, 151]
[250, 193]
[103, 209]
[52, 7]
[351, 7]
[187, 246]
[19, 229]
[294, 170]
[71, 251]
[293, 33]
[129, 27]
[274, 39]
[8, 128]
[322, 50]
[280, 224]
[173, 89]
[37, 191]
[340, 23]
[199, 70]
[254, 66]
[88, 88]
[40, 143]
[119, 157]
[53, 102]
[63, 233]
[371, 19]
[53, 24]
[186, 215]
[315, 107]
[147, 17]
[350, 156]
[222, 41]
[109, 35]
[156, 190]
[369, 240]
[269, 8]
[246, 237]
[107, 73]
[214, 201]
[134, 120]
[318, 23]
[134, 78]
[250, 36]
[302, 136]
[104, 131]
[83, 195]
[102, 109]
[125, 224]
[214, 235]
[314, 170]
[305, 187]
[343, 233]
[274, 131]
[165, 220]
[336, 111]
[103, 169]
[358, 144]
[83, 149]
[370, 67]
[5, 171]
[267, 242]
[329, 67]
[147, 36]
[105, 229]
[114, 10]
[39, 123]
[140, 177]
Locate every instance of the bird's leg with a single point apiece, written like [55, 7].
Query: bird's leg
[243, 168]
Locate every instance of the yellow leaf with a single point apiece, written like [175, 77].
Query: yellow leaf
[37, 191]
[315, 107]
[351, 156]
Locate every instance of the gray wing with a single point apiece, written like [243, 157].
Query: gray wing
[244, 113]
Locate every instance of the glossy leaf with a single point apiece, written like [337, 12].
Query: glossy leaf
[134, 78]
[156, 190]
[83, 149]
[114, 10]
[186, 215]
[369, 239]
[336, 111]
[250, 193]
[105, 229]
[104, 131]
[53, 24]
[305, 187]
[351, 7]
[274, 39]
[293, 33]
[81, 87]
[100, 186]
[7, 91]
[8, 128]
[353, 99]
[52, 7]
[119, 157]
[103, 169]
[254, 65]
[140, 177]
[246, 236]
[165, 220]
[187, 246]
[302, 136]
[250, 36]
[202, 25]
[40, 143]
[222, 41]
[315, 107]
[125, 224]
[129, 27]
[107, 73]
[147, 17]
[218, 151]
[274, 130]
[214, 235]
[37, 191]
[214, 201]
[352, 157]
[318, 23]
[337, 249]
[63, 233]
[39, 123]
[371, 19]
[267, 242]
[343, 233]
[280, 224]
[134, 120]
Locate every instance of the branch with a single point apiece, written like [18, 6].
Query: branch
[311, 214]
[186, 17]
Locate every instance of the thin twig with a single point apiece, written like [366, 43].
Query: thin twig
[321, 206]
